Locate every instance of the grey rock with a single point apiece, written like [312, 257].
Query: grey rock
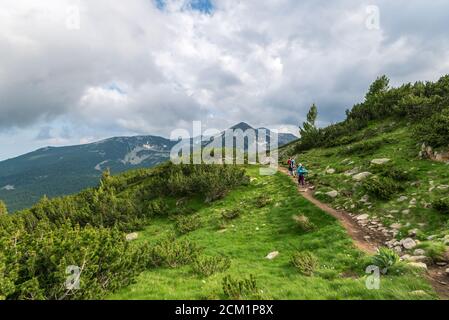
[361, 176]
[380, 161]
[332, 194]
[408, 243]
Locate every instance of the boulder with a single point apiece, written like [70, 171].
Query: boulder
[402, 198]
[408, 243]
[330, 171]
[351, 172]
[361, 176]
[132, 236]
[272, 255]
[419, 252]
[398, 249]
[380, 161]
[332, 194]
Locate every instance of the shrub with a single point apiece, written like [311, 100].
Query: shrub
[186, 224]
[3, 209]
[385, 259]
[303, 223]
[207, 266]
[305, 262]
[37, 263]
[441, 205]
[434, 250]
[363, 148]
[435, 131]
[157, 207]
[389, 171]
[262, 201]
[381, 187]
[236, 289]
[231, 214]
[172, 253]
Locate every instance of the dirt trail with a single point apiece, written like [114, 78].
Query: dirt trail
[364, 239]
[369, 241]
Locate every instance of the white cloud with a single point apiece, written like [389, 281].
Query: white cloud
[132, 68]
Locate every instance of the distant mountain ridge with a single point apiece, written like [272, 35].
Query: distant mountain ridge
[55, 171]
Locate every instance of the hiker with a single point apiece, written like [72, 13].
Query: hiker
[290, 168]
[293, 164]
[301, 171]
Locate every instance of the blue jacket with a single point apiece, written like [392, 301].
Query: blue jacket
[301, 171]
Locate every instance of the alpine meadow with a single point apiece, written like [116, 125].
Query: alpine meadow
[222, 158]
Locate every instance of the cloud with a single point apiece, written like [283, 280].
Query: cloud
[143, 66]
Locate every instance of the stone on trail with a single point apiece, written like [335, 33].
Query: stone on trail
[419, 252]
[362, 217]
[361, 176]
[447, 271]
[408, 243]
[330, 171]
[272, 255]
[332, 194]
[380, 161]
[402, 198]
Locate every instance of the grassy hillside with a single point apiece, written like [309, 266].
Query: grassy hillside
[419, 182]
[387, 166]
[265, 225]
[200, 232]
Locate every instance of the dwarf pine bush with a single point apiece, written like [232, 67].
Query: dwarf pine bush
[186, 224]
[441, 205]
[207, 266]
[303, 222]
[381, 187]
[305, 262]
[237, 289]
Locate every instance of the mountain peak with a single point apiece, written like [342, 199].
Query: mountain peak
[242, 125]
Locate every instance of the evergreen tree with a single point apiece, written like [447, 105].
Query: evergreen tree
[380, 85]
[309, 127]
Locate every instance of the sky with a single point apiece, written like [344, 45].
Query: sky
[77, 71]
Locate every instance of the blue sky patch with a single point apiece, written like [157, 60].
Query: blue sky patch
[203, 6]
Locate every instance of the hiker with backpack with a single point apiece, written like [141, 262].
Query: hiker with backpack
[293, 164]
[302, 172]
[290, 168]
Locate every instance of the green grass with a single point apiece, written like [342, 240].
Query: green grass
[259, 231]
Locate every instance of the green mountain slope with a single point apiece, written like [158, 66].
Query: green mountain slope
[265, 224]
[189, 232]
[387, 166]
